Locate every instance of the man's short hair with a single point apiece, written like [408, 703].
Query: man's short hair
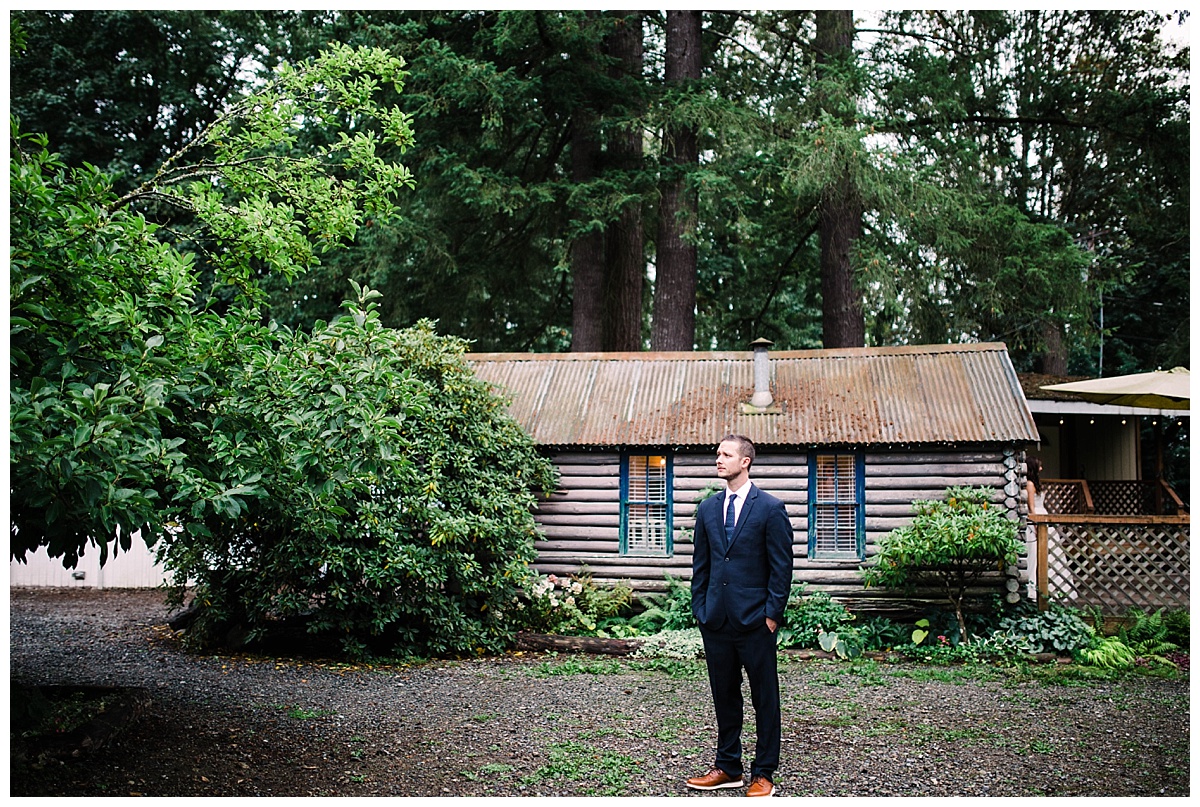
[745, 445]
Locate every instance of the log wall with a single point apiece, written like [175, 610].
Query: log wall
[581, 522]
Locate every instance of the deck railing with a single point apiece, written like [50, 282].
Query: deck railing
[1113, 563]
[1115, 497]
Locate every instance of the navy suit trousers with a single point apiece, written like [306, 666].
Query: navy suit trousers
[728, 651]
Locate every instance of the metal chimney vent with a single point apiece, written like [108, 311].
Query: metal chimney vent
[762, 400]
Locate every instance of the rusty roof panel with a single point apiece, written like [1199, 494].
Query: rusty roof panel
[858, 396]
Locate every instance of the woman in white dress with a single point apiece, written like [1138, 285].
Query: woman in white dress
[1037, 504]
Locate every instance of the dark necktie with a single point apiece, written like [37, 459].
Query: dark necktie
[730, 519]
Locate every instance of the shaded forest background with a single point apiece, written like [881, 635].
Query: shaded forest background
[676, 180]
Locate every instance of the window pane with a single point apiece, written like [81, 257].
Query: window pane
[647, 479]
[647, 525]
[836, 528]
[646, 505]
[835, 504]
[835, 478]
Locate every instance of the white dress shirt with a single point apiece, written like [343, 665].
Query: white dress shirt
[739, 500]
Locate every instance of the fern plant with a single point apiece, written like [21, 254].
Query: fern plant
[1146, 634]
[1109, 652]
[670, 610]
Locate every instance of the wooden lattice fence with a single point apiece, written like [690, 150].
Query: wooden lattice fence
[1112, 497]
[1114, 563]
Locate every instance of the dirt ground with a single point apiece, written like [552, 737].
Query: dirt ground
[177, 724]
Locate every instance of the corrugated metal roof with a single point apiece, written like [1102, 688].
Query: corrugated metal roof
[854, 396]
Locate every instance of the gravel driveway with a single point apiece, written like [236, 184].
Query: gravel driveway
[536, 724]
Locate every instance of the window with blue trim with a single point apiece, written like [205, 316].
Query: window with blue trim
[646, 505]
[835, 506]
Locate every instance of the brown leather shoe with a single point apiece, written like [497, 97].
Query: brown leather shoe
[716, 779]
[761, 786]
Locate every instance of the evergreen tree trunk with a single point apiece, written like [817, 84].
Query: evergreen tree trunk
[625, 258]
[1053, 358]
[841, 210]
[840, 218]
[674, 319]
[587, 251]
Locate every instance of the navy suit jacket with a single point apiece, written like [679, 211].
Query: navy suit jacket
[747, 581]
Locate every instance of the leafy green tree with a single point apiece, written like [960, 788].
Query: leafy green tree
[100, 322]
[280, 473]
[950, 543]
[482, 245]
[105, 315]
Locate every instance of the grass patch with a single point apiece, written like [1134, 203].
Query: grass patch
[950, 674]
[493, 769]
[884, 727]
[604, 773]
[680, 669]
[303, 713]
[578, 666]
[669, 731]
[868, 672]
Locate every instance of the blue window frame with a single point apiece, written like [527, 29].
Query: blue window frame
[646, 517]
[836, 524]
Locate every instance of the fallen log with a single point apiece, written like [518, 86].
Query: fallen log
[578, 644]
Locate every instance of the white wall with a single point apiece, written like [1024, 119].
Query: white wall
[132, 569]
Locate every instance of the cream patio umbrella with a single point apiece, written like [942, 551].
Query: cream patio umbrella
[1161, 389]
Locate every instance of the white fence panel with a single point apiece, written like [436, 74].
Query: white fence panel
[133, 569]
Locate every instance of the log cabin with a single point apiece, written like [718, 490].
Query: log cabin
[847, 438]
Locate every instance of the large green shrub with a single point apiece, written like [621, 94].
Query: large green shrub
[385, 493]
[950, 543]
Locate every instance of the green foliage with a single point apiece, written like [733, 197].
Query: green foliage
[807, 616]
[1057, 630]
[881, 633]
[578, 665]
[122, 89]
[950, 542]
[1009, 184]
[1147, 634]
[941, 650]
[114, 359]
[845, 644]
[577, 606]
[1108, 652]
[678, 643]
[1179, 628]
[670, 610]
[358, 480]
[382, 492]
[100, 334]
[267, 207]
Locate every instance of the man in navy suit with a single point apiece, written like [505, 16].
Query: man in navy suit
[741, 575]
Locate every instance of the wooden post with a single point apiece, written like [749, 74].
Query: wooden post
[1158, 466]
[1043, 572]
